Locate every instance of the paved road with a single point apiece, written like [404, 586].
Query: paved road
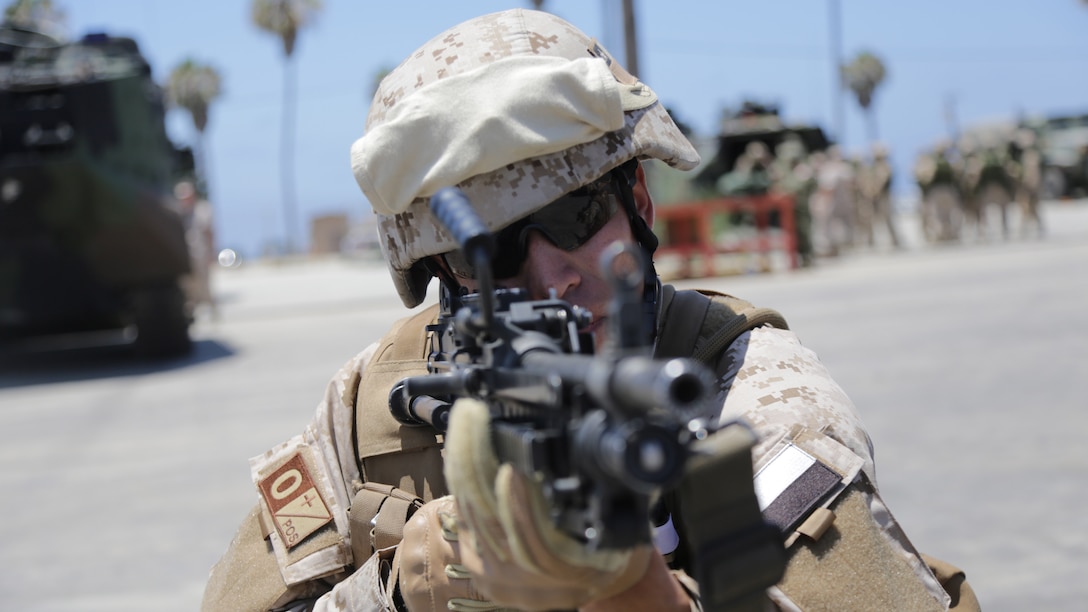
[124, 482]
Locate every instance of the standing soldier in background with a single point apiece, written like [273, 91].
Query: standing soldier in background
[1082, 164]
[751, 174]
[863, 209]
[989, 182]
[198, 219]
[833, 214]
[969, 171]
[877, 192]
[1029, 181]
[793, 174]
[942, 195]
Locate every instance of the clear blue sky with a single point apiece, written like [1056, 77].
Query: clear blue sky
[995, 59]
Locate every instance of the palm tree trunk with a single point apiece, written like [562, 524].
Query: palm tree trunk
[834, 13]
[630, 38]
[287, 156]
[200, 164]
[871, 116]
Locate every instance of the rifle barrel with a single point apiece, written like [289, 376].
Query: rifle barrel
[634, 384]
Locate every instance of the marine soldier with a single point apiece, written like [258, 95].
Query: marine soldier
[988, 179]
[834, 213]
[794, 174]
[942, 194]
[354, 514]
[1029, 181]
[876, 192]
[1082, 169]
[752, 172]
[197, 217]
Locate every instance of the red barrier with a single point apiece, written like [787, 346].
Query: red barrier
[688, 229]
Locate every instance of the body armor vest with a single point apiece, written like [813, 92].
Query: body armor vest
[691, 324]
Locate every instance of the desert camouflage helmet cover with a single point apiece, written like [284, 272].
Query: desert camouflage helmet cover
[516, 108]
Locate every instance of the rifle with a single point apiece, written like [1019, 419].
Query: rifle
[605, 433]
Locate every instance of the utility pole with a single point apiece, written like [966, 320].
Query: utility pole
[835, 35]
[950, 117]
[630, 38]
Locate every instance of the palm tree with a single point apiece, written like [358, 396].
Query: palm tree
[863, 75]
[193, 87]
[285, 18]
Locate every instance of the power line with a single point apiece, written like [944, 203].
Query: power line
[818, 53]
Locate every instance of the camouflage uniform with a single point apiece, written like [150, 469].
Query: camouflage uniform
[752, 174]
[942, 196]
[990, 184]
[794, 175]
[197, 217]
[875, 186]
[833, 208]
[770, 379]
[1029, 182]
[314, 540]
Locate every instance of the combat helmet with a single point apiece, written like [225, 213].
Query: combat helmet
[516, 108]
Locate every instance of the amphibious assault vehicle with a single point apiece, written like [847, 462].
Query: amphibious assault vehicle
[90, 235]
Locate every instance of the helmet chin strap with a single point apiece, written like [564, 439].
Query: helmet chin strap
[646, 240]
[449, 290]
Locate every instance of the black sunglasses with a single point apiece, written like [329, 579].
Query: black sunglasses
[568, 222]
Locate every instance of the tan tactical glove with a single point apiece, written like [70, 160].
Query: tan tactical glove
[431, 575]
[517, 557]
